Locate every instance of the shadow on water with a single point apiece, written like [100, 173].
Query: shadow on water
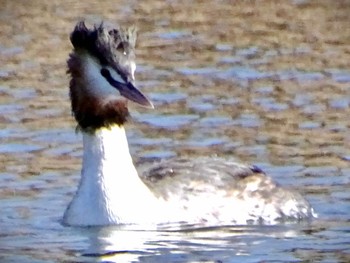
[194, 244]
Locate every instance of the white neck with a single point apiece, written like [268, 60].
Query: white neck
[110, 190]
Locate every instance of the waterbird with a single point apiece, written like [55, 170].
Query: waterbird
[205, 190]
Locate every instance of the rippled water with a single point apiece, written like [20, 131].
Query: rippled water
[266, 83]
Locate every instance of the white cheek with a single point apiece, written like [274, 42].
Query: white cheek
[115, 75]
[132, 69]
[97, 84]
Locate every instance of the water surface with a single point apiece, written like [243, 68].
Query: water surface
[266, 83]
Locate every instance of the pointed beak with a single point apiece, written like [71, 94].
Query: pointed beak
[127, 90]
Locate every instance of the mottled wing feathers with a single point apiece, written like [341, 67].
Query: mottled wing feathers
[178, 173]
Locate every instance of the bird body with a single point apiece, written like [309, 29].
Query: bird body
[205, 190]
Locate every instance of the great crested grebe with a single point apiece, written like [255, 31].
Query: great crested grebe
[204, 190]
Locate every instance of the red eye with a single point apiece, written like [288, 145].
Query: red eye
[120, 47]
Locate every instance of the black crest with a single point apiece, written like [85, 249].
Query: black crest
[110, 46]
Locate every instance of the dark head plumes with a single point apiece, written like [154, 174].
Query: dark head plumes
[114, 47]
[111, 51]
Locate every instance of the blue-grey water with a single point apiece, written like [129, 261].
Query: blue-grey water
[267, 83]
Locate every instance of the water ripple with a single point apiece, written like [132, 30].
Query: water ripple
[19, 148]
[167, 121]
[167, 97]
